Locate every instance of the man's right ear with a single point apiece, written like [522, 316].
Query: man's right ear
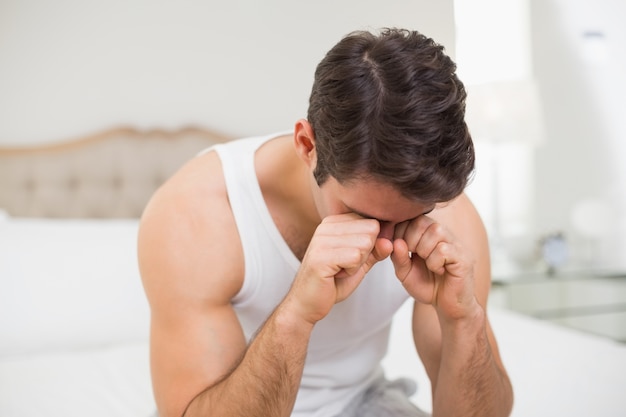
[304, 142]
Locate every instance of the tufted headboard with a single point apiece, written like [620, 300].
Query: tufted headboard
[108, 175]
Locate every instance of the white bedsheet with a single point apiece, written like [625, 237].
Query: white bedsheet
[561, 372]
[110, 381]
[555, 371]
[63, 352]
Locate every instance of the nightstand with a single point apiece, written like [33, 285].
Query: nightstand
[594, 303]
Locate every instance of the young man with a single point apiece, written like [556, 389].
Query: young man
[273, 265]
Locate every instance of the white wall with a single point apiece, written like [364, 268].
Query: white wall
[580, 62]
[72, 67]
[494, 61]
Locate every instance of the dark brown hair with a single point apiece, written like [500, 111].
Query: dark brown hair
[390, 107]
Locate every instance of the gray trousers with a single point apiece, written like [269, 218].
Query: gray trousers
[385, 399]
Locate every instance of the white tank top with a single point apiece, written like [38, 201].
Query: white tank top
[346, 347]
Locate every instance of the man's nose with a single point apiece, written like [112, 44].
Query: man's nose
[386, 230]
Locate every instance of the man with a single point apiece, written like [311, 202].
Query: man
[274, 265]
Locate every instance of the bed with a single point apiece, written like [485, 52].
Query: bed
[74, 321]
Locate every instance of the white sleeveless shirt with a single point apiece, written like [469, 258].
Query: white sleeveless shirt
[346, 347]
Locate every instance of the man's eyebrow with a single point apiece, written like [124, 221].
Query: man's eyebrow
[367, 216]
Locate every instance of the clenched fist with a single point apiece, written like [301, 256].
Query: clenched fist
[343, 249]
[434, 267]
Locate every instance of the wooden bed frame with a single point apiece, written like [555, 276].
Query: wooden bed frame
[111, 174]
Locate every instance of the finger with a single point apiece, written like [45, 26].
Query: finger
[348, 261]
[440, 257]
[382, 249]
[400, 230]
[364, 242]
[415, 230]
[370, 250]
[434, 234]
[348, 225]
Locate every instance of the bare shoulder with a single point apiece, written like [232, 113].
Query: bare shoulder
[461, 217]
[188, 242]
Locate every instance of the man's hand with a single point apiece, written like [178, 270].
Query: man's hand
[343, 249]
[434, 268]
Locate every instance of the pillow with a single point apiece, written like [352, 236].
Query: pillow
[69, 284]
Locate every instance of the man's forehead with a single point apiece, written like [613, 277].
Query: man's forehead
[374, 199]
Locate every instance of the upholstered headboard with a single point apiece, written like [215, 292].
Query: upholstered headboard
[107, 175]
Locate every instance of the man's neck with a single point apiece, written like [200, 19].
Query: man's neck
[286, 183]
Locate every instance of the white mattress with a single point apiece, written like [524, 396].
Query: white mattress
[73, 335]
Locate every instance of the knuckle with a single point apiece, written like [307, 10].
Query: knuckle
[432, 264]
[437, 228]
[353, 257]
[369, 240]
[444, 249]
[372, 227]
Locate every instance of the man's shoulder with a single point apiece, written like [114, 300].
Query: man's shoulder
[190, 215]
[459, 215]
[459, 205]
[196, 193]
[199, 181]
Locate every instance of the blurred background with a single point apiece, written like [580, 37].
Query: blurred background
[545, 77]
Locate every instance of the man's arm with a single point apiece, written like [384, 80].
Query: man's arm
[200, 363]
[267, 379]
[192, 265]
[450, 326]
[191, 270]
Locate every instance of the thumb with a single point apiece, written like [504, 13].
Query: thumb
[382, 249]
[401, 259]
